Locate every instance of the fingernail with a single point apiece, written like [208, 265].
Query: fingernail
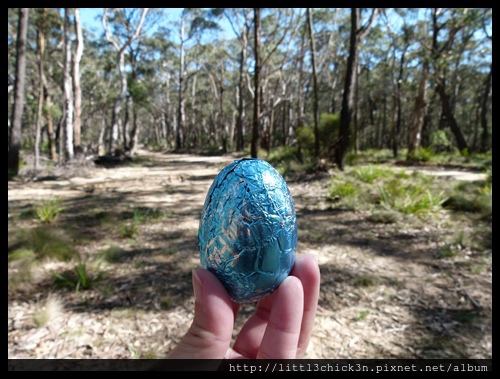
[197, 287]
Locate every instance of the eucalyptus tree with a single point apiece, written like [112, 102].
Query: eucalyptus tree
[17, 112]
[68, 93]
[77, 90]
[127, 25]
[485, 135]
[193, 22]
[240, 21]
[315, 82]
[357, 35]
[216, 63]
[415, 130]
[41, 54]
[400, 41]
[45, 29]
[278, 27]
[451, 22]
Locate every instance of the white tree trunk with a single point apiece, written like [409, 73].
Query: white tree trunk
[68, 88]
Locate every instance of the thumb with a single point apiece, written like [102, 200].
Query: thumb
[210, 333]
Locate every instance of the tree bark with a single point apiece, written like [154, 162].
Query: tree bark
[315, 83]
[68, 89]
[17, 112]
[357, 34]
[418, 113]
[179, 138]
[50, 122]
[450, 118]
[241, 98]
[485, 136]
[439, 74]
[120, 60]
[300, 89]
[256, 100]
[397, 104]
[76, 80]
[41, 53]
[126, 123]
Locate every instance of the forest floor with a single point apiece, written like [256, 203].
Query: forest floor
[387, 291]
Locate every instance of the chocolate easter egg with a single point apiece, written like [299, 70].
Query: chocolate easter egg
[248, 229]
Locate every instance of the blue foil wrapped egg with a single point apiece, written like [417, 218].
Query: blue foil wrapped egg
[248, 229]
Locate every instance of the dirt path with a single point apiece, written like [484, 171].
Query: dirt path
[384, 293]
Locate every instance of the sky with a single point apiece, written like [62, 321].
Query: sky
[91, 19]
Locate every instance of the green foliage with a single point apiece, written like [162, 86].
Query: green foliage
[328, 129]
[371, 156]
[409, 197]
[22, 254]
[362, 315]
[112, 254]
[329, 125]
[423, 154]
[281, 159]
[129, 230]
[474, 197]
[447, 252]
[352, 158]
[343, 189]
[45, 243]
[53, 110]
[305, 138]
[31, 247]
[22, 261]
[368, 174]
[440, 141]
[80, 278]
[138, 91]
[384, 217]
[47, 211]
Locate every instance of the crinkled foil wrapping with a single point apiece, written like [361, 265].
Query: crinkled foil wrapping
[248, 229]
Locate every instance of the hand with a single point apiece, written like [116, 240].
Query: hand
[280, 327]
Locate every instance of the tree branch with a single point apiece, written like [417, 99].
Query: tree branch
[363, 31]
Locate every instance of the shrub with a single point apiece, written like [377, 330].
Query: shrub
[328, 129]
[47, 211]
[80, 278]
[343, 189]
[423, 154]
[440, 141]
[305, 138]
[369, 173]
[409, 198]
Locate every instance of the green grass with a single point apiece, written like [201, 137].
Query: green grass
[343, 189]
[362, 315]
[384, 217]
[128, 230]
[112, 254]
[472, 197]
[423, 154]
[30, 248]
[410, 197]
[365, 280]
[48, 211]
[448, 251]
[146, 215]
[368, 174]
[79, 278]
[45, 243]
